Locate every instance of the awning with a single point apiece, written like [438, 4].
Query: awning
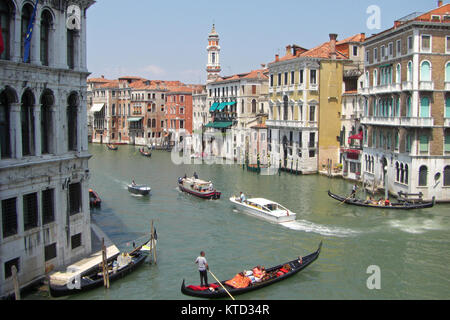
[219, 125]
[214, 107]
[358, 136]
[134, 119]
[97, 107]
[222, 106]
[232, 103]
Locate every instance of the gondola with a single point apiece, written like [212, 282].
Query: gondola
[275, 275]
[391, 206]
[94, 278]
[94, 199]
[112, 147]
[145, 153]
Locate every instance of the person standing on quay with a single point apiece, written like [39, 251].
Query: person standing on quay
[202, 267]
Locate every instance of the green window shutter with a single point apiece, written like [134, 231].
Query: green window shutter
[425, 107]
[408, 143]
[423, 144]
[447, 107]
[447, 143]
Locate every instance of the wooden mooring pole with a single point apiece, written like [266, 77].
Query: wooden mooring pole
[153, 243]
[105, 265]
[16, 282]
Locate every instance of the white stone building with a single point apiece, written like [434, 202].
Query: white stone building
[44, 157]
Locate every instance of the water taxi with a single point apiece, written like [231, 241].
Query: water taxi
[142, 189]
[263, 208]
[199, 188]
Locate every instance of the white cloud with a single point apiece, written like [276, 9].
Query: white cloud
[154, 70]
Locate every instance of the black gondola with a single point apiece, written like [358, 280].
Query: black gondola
[94, 278]
[295, 266]
[112, 147]
[391, 206]
[145, 153]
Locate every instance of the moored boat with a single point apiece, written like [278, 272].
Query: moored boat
[265, 209]
[118, 266]
[269, 276]
[199, 188]
[112, 147]
[145, 153]
[382, 204]
[141, 189]
[94, 199]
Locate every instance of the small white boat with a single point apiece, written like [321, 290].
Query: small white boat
[263, 208]
[139, 189]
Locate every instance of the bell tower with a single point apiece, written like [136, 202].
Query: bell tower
[213, 67]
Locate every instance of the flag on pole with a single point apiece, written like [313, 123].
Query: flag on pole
[2, 43]
[27, 45]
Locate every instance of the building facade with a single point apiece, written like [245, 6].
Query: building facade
[406, 117]
[44, 171]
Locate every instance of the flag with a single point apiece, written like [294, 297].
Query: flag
[2, 44]
[27, 45]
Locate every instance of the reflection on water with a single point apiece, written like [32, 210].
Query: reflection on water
[411, 248]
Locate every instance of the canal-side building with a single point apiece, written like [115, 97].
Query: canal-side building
[200, 117]
[407, 116]
[305, 100]
[44, 173]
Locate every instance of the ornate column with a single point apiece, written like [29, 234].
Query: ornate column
[37, 130]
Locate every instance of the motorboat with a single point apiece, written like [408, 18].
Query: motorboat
[199, 188]
[264, 208]
[141, 189]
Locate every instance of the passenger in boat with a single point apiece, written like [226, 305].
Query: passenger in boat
[242, 197]
[133, 183]
[202, 268]
[387, 203]
[195, 175]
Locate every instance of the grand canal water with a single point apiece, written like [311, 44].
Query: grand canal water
[412, 249]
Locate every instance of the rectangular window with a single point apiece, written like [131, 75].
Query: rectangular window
[271, 82]
[375, 54]
[76, 241]
[367, 56]
[447, 45]
[313, 76]
[292, 77]
[312, 113]
[312, 140]
[383, 52]
[279, 81]
[50, 252]
[9, 217]
[391, 49]
[48, 207]
[74, 198]
[426, 43]
[423, 143]
[447, 143]
[8, 266]
[301, 77]
[399, 47]
[312, 153]
[30, 211]
[410, 43]
[355, 51]
[253, 89]
[286, 78]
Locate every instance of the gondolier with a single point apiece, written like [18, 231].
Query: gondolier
[202, 268]
[354, 189]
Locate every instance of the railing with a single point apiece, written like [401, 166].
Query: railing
[398, 121]
[291, 123]
[407, 86]
[447, 122]
[447, 86]
[426, 85]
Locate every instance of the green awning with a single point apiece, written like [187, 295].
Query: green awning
[134, 119]
[214, 107]
[219, 125]
[232, 103]
[385, 65]
[222, 106]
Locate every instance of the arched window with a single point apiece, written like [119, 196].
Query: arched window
[27, 123]
[46, 23]
[6, 12]
[447, 176]
[402, 173]
[406, 174]
[375, 78]
[253, 106]
[409, 72]
[285, 107]
[425, 107]
[398, 74]
[425, 71]
[47, 101]
[27, 11]
[408, 107]
[397, 170]
[72, 122]
[423, 176]
[447, 72]
[6, 98]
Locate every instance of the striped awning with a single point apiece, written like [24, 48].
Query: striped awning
[214, 107]
[219, 125]
[97, 107]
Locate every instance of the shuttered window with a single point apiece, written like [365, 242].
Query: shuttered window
[48, 210]
[74, 198]
[76, 240]
[9, 217]
[50, 252]
[423, 144]
[8, 266]
[30, 211]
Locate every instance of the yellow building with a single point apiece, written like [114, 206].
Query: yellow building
[305, 99]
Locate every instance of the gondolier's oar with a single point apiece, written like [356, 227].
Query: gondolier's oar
[348, 198]
[221, 284]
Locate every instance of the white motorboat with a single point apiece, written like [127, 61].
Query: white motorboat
[139, 189]
[263, 208]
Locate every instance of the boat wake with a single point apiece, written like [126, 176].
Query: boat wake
[417, 226]
[307, 226]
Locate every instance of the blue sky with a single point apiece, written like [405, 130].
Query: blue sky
[166, 40]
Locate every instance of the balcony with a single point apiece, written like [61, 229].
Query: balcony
[314, 87]
[291, 124]
[447, 122]
[407, 86]
[447, 86]
[426, 85]
[386, 88]
[398, 121]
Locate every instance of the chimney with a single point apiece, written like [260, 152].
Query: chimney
[363, 37]
[333, 37]
[103, 77]
[263, 65]
[277, 57]
[440, 3]
[288, 50]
